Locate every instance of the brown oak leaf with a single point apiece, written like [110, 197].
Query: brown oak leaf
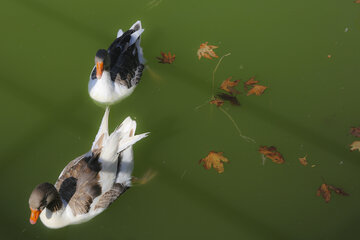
[215, 160]
[355, 131]
[272, 153]
[303, 161]
[218, 102]
[228, 85]
[166, 58]
[357, 1]
[355, 146]
[257, 90]
[207, 51]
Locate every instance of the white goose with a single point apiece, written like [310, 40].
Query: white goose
[118, 70]
[91, 182]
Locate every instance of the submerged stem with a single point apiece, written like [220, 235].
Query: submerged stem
[248, 139]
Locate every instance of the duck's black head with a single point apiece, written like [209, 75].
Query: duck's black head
[102, 62]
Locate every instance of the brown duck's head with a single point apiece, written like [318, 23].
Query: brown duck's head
[43, 195]
[102, 62]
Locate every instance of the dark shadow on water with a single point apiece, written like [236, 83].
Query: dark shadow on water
[70, 22]
[62, 114]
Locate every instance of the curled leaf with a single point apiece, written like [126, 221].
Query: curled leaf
[215, 160]
[257, 90]
[250, 82]
[228, 85]
[166, 58]
[324, 191]
[272, 153]
[206, 51]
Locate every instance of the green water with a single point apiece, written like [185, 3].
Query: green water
[47, 118]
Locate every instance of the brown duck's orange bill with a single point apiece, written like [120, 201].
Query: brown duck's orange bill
[34, 215]
[99, 69]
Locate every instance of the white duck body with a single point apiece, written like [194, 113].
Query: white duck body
[106, 91]
[125, 69]
[103, 174]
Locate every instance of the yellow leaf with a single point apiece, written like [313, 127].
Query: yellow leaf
[215, 160]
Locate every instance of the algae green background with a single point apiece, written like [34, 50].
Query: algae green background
[47, 118]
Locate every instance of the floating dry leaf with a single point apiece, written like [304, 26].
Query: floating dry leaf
[215, 160]
[218, 102]
[357, 1]
[226, 97]
[228, 85]
[355, 131]
[272, 153]
[303, 161]
[324, 191]
[355, 146]
[250, 82]
[166, 58]
[257, 90]
[206, 51]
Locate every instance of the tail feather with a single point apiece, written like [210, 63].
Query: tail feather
[109, 150]
[122, 138]
[103, 132]
[136, 26]
[127, 142]
[138, 31]
[119, 33]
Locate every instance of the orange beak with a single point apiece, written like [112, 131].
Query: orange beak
[99, 69]
[34, 215]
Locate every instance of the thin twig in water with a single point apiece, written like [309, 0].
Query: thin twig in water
[213, 77]
[236, 126]
[201, 105]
